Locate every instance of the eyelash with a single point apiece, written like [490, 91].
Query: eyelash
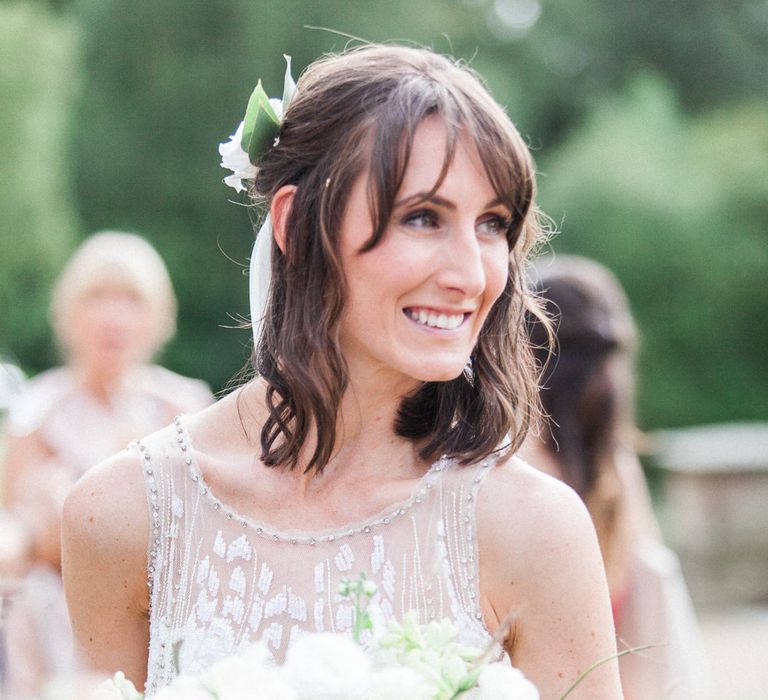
[414, 217]
[501, 223]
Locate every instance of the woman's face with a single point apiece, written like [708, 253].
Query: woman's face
[109, 329]
[416, 302]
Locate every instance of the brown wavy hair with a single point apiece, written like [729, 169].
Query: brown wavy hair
[353, 113]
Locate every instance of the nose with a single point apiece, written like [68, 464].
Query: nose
[111, 312]
[463, 268]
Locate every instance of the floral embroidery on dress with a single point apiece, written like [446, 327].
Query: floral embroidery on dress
[218, 581]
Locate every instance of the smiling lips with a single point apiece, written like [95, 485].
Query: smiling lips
[435, 319]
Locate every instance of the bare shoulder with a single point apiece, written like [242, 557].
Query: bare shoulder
[536, 539]
[541, 571]
[231, 426]
[185, 393]
[106, 511]
[104, 565]
[519, 498]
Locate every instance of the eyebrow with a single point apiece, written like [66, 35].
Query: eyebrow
[420, 197]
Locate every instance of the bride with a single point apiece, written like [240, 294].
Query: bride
[394, 386]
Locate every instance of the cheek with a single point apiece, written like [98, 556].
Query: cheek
[382, 273]
[84, 322]
[496, 275]
[137, 317]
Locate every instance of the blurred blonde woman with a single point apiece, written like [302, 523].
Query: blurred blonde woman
[112, 309]
[588, 395]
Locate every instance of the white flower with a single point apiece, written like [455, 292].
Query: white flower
[326, 666]
[396, 683]
[236, 676]
[277, 105]
[441, 634]
[184, 688]
[378, 621]
[253, 658]
[500, 681]
[261, 683]
[234, 158]
[116, 688]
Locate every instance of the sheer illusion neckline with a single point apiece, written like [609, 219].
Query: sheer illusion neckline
[383, 518]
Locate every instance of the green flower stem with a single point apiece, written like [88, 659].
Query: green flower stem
[597, 664]
[360, 590]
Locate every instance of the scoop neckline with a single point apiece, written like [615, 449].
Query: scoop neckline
[382, 518]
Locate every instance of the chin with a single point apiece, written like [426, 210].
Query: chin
[441, 374]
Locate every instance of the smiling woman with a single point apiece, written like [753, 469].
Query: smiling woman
[394, 385]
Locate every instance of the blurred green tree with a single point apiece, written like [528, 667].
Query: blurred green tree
[678, 207]
[39, 81]
[549, 60]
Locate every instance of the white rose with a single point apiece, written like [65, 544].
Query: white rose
[116, 688]
[259, 683]
[246, 662]
[501, 681]
[326, 667]
[236, 676]
[395, 684]
[184, 688]
[234, 158]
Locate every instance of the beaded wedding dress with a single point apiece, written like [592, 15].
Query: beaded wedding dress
[219, 581]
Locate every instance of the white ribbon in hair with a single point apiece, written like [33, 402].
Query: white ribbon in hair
[260, 278]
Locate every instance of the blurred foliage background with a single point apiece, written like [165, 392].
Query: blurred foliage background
[649, 123]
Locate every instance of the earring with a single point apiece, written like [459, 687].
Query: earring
[468, 372]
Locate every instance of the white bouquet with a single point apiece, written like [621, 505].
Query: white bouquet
[403, 660]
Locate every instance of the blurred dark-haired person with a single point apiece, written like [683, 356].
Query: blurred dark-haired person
[587, 441]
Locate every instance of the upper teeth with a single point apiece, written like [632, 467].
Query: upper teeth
[447, 321]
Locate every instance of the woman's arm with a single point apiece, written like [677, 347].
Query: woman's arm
[23, 454]
[35, 484]
[540, 566]
[104, 557]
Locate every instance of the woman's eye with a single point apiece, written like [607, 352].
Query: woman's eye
[422, 219]
[495, 225]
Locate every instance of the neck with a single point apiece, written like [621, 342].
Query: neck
[366, 449]
[99, 381]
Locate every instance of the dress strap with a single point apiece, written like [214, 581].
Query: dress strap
[459, 539]
[158, 457]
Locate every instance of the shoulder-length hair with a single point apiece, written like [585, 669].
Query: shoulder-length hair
[357, 112]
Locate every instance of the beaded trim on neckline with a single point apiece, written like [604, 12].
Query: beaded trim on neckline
[381, 519]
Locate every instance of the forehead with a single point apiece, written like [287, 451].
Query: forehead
[434, 164]
[112, 281]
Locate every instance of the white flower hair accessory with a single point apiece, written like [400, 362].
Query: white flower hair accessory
[256, 134]
[234, 158]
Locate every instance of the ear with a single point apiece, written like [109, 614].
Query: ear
[279, 211]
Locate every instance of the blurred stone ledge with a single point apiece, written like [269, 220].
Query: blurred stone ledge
[714, 508]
